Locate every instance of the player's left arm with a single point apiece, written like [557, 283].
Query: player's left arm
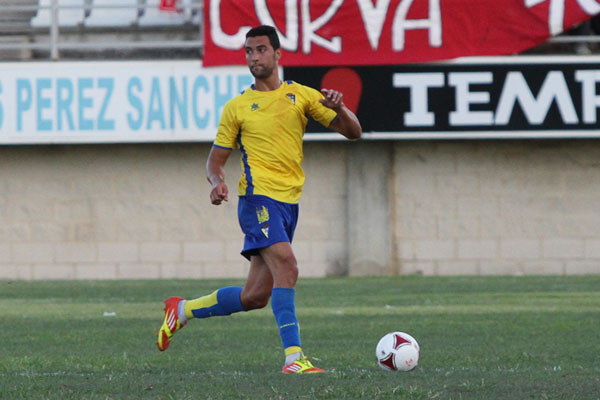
[346, 122]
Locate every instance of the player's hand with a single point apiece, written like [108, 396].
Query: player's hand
[333, 99]
[219, 193]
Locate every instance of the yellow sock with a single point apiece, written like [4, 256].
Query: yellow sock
[224, 301]
[203, 302]
[292, 354]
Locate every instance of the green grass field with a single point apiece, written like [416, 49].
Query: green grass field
[481, 338]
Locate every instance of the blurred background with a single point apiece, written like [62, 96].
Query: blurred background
[107, 117]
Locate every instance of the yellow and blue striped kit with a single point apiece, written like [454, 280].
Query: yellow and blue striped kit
[268, 127]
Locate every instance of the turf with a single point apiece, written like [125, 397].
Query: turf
[481, 338]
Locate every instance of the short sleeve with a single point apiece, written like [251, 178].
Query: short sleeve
[320, 113]
[229, 127]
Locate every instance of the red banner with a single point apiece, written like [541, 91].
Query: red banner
[370, 32]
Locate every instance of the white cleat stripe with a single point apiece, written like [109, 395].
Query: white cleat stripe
[171, 322]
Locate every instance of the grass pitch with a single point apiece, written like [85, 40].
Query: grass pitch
[481, 338]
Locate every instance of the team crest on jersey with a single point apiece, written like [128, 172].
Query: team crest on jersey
[254, 107]
[262, 214]
[292, 97]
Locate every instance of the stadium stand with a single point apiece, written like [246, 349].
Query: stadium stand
[114, 13]
[14, 29]
[155, 17]
[102, 15]
[14, 20]
[71, 13]
[99, 29]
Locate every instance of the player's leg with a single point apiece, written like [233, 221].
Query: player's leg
[281, 261]
[221, 302]
[257, 290]
[228, 300]
[224, 301]
[269, 227]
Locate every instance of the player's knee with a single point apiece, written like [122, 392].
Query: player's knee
[255, 301]
[293, 271]
[288, 261]
[288, 270]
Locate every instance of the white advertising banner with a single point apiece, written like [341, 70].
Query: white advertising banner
[114, 102]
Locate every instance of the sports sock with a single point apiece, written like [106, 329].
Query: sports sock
[284, 309]
[181, 312]
[224, 301]
[292, 357]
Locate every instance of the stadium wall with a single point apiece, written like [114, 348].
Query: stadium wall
[138, 211]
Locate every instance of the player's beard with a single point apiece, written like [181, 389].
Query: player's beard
[262, 73]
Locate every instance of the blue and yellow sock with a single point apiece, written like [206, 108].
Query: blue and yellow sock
[224, 301]
[284, 309]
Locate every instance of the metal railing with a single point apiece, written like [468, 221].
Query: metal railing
[54, 45]
[570, 39]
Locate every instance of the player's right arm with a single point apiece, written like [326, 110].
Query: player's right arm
[222, 147]
[215, 173]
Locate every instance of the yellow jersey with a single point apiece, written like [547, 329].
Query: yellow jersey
[267, 127]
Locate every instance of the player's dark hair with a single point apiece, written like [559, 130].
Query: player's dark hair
[265, 30]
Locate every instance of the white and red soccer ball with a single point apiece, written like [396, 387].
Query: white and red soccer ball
[397, 351]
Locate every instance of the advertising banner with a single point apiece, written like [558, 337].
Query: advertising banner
[121, 102]
[369, 32]
[486, 98]
[105, 102]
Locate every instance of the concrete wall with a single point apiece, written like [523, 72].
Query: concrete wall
[436, 208]
[498, 207]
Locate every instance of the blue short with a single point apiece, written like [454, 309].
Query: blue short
[265, 221]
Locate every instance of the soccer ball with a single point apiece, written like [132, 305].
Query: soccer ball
[397, 351]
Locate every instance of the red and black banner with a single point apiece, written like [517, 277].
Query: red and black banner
[503, 97]
[376, 32]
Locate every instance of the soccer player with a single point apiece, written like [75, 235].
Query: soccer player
[266, 122]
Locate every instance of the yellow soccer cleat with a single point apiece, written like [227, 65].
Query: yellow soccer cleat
[302, 366]
[171, 323]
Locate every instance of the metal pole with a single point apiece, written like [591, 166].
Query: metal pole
[54, 31]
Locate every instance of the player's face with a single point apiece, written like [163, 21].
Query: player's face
[261, 57]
